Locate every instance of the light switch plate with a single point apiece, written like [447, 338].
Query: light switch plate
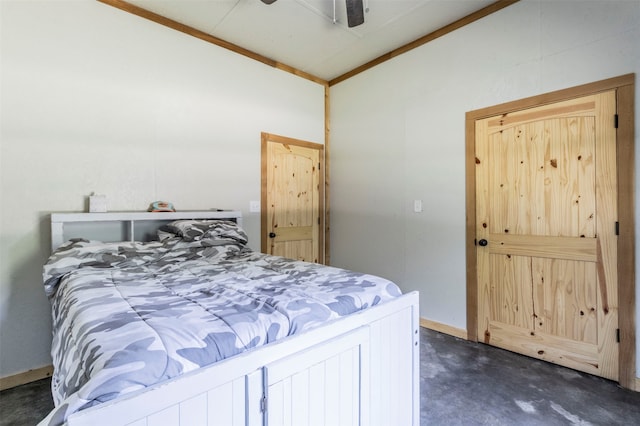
[417, 206]
[254, 206]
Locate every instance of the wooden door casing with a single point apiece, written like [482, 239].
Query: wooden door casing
[624, 86]
[292, 198]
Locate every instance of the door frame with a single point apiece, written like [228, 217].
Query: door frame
[266, 138]
[625, 91]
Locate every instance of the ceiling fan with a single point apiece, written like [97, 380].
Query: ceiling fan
[355, 11]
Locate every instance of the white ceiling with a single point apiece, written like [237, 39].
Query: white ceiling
[302, 33]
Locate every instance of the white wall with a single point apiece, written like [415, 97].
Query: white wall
[96, 99]
[398, 134]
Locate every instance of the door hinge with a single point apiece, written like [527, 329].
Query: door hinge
[617, 228]
[617, 335]
[263, 403]
[615, 121]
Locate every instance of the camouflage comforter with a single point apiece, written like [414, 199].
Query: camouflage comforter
[129, 315]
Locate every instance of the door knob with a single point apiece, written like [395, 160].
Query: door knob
[483, 242]
[272, 234]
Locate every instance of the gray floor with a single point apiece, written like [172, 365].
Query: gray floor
[461, 383]
[464, 383]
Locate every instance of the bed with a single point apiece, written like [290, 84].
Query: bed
[170, 319]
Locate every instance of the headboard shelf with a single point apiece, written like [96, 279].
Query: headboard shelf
[124, 226]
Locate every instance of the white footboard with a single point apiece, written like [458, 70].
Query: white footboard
[359, 370]
[321, 385]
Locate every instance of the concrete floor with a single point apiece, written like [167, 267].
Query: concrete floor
[26, 405]
[462, 383]
[465, 383]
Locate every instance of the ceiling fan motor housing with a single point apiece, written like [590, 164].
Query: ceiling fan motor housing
[355, 13]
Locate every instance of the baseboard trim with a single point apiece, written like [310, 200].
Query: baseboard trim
[25, 377]
[443, 328]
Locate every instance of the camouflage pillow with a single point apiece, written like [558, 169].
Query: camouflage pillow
[205, 230]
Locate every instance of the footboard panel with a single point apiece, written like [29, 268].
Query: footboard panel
[372, 357]
[229, 400]
[395, 383]
[321, 386]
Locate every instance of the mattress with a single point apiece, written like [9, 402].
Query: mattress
[130, 315]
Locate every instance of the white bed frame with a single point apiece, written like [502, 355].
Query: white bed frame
[358, 370]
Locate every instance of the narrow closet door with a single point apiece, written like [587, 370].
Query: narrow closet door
[292, 198]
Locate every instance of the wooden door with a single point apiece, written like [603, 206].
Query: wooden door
[292, 198]
[546, 219]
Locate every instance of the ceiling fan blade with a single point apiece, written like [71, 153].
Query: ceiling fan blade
[355, 13]
[268, 1]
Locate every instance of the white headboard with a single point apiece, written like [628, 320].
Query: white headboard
[123, 226]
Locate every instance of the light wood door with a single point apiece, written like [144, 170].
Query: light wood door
[292, 198]
[546, 233]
